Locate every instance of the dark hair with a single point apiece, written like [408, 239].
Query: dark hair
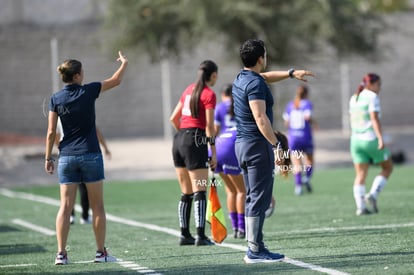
[301, 93]
[370, 78]
[250, 52]
[205, 70]
[227, 91]
[285, 147]
[68, 69]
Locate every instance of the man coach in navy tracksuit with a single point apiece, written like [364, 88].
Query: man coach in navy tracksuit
[257, 147]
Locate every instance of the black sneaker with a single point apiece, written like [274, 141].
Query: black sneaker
[235, 233]
[186, 240]
[203, 241]
[308, 187]
[241, 235]
[363, 212]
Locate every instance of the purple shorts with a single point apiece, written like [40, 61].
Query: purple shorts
[296, 144]
[226, 156]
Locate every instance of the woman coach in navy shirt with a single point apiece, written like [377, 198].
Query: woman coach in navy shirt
[80, 158]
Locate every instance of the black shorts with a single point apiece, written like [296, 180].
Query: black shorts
[190, 149]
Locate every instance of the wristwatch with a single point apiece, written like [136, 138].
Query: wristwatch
[291, 71]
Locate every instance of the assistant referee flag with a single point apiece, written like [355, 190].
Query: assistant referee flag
[215, 215]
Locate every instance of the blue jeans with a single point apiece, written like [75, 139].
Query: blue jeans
[81, 168]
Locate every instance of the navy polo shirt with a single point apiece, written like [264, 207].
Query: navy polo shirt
[75, 106]
[248, 86]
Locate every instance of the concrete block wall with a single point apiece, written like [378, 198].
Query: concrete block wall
[134, 109]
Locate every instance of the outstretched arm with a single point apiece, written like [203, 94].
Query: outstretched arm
[275, 76]
[116, 78]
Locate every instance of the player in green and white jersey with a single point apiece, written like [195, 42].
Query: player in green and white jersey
[367, 144]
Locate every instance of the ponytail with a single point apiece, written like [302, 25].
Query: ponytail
[301, 93]
[204, 73]
[368, 79]
[227, 91]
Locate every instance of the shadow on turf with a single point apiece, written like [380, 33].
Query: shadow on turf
[6, 228]
[8, 249]
[328, 234]
[359, 259]
[238, 268]
[189, 265]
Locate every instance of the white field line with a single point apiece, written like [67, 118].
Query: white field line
[346, 228]
[34, 227]
[16, 265]
[173, 232]
[291, 261]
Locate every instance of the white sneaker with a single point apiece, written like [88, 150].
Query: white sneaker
[104, 257]
[61, 259]
[372, 201]
[72, 219]
[298, 190]
[87, 221]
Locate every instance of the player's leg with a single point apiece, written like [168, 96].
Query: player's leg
[67, 201]
[184, 205]
[383, 157]
[69, 177]
[199, 180]
[297, 172]
[95, 196]
[231, 197]
[238, 183]
[84, 204]
[361, 170]
[308, 170]
[361, 160]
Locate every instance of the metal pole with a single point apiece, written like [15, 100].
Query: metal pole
[54, 63]
[344, 69]
[166, 97]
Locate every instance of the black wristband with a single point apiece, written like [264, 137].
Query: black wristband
[291, 71]
[51, 159]
[277, 146]
[211, 140]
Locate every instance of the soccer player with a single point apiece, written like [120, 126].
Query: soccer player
[257, 147]
[193, 118]
[227, 164]
[299, 120]
[80, 158]
[367, 143]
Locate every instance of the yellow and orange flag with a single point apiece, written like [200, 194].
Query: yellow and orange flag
[215, 216]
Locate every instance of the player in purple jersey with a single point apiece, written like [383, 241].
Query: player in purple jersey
[227, 164]
[298, 118]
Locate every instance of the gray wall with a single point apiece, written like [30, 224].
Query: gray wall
[134, 109]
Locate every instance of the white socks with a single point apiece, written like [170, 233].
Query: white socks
[359, 195]
[359, 191]
[377, 185]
